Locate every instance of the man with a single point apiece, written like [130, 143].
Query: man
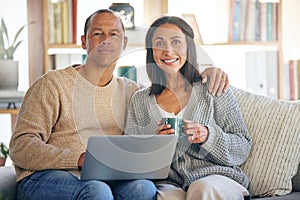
[64, 107]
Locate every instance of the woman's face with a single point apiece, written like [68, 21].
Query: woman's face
[169, 48]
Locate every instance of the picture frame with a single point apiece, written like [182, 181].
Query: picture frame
[192, 21]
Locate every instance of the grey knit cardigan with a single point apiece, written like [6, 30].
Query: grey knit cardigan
[228, 144]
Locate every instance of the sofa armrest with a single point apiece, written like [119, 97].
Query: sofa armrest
[8, 184]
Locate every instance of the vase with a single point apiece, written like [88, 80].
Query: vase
[126, 13]
[128, 72]
[2, 161]
[9, 76]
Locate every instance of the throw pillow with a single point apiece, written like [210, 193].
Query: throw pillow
[274, 126]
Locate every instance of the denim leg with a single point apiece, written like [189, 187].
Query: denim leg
[134, 190]
[59, 184]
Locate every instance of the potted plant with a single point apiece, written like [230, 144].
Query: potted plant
[8, 67]
[4, 152]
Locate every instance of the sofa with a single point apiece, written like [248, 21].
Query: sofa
[272, 166]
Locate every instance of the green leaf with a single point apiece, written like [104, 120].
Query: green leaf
[17, 34]
[2, 49]
[4, 151]
[11, 50]
[5, 30]
[7, 49]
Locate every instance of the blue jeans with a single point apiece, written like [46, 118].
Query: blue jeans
[59, 184]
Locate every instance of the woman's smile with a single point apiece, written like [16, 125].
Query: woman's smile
[170, 61]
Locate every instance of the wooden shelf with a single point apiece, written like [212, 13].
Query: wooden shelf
[9, 111]
[258, 43]
[64, 46]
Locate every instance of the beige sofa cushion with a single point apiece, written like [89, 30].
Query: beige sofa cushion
[274, 126]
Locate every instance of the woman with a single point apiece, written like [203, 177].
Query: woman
[206, 164]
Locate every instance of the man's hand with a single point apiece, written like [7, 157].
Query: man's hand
[219, 81]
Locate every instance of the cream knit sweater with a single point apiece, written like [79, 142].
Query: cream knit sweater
[58, 114]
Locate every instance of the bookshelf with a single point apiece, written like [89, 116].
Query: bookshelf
[213, 18]
[39, 45]
[39, 40]
[263, 28]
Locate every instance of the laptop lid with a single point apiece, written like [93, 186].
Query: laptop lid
[124, 157]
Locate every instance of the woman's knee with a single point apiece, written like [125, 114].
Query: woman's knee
[170, 192]
[201, 185]
[204, 189]
[216, 187]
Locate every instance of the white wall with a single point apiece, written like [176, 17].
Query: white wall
[290, 29]
[211, 15]
[14, 13]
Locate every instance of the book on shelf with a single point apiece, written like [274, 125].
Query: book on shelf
[74, 21]
[65, 22]
[286, 84]
[70, 24]
[242, 19]
[263, 22]
[234, 20]
[252, 20]
[51, 23]
[293, 81]
[62, 18]
[275, 21]
[257, 21]
[269, 21]
[57, 10]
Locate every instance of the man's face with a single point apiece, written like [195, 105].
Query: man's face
[105, 39]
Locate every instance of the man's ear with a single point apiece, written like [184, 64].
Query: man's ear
[83, 42]
[125, 42]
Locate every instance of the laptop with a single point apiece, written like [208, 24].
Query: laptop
[127, 157]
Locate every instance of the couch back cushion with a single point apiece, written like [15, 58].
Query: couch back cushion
[274, 126]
